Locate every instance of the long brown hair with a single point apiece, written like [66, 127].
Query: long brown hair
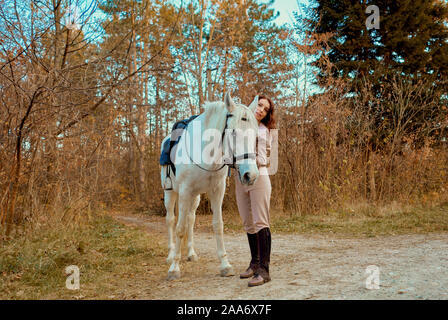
[269, 119]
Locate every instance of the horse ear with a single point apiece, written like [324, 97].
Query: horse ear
[253, 105]
[230, 105]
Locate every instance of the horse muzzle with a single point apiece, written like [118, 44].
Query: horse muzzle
[248, 174]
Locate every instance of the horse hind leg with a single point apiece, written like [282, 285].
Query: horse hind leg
[192, 256]
[184, 204]
[170, 203]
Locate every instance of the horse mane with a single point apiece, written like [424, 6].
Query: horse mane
[212, 106]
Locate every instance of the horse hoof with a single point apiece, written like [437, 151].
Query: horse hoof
[227, 272]
[173, 275]
[193, 257]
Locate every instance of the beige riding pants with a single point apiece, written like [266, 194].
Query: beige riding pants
[253, 203]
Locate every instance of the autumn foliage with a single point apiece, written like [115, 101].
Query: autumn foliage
[84, 108]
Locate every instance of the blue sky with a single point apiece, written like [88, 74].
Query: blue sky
[286, 8]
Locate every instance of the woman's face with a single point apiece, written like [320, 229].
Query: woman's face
[262, 109]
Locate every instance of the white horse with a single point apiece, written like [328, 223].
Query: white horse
[194, 177]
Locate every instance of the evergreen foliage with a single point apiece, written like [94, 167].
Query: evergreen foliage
[410, 48]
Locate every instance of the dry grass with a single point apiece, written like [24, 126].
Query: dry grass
[358, 220]
[107, 253]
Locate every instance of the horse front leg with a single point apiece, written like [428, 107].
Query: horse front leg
[170, 203]
[192, 256]
[216, 199]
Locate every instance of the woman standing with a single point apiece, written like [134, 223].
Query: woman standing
[254, 201]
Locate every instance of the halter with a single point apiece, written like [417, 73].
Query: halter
[229, 162]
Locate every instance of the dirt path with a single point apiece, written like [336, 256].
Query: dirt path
[311, 267]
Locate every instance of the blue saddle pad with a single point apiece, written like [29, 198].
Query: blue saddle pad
[169, 144]
[165, 156]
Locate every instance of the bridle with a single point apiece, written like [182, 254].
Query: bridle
[231, 162]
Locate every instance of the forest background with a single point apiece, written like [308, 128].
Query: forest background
[89, 89]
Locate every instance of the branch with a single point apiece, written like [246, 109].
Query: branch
[118, 83]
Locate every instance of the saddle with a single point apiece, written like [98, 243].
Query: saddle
[171, 143]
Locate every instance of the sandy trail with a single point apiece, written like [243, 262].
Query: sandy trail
[310, 267]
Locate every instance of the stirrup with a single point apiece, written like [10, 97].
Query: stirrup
[168, 184]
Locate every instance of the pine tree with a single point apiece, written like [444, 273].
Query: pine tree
[411, 38]
[233, 46]
[263, 67]
[410, 48]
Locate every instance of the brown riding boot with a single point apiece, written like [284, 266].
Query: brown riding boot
[262, 273]
[247, 274]
[253, 266]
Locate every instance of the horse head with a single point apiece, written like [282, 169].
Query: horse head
[240, 138]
